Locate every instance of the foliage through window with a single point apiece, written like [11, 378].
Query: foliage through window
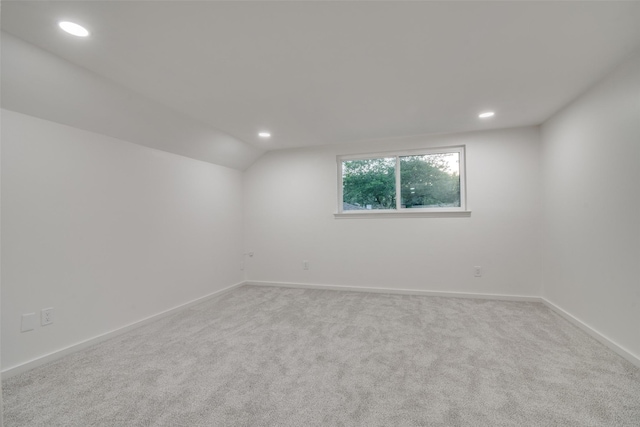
[426, 180]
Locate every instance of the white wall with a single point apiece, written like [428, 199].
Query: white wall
[1, 400]
[591, 171]
[107, 232]
[290, 198]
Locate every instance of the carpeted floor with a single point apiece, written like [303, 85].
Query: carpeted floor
[262, 356]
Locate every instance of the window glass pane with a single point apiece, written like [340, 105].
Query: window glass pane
[430, 180]
[369, 184]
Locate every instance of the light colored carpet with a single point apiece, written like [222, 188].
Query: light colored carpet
[261, 356]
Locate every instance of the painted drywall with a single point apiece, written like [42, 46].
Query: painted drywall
[1, 401]
[107, 232]
[291, 196]
[591, 152]
[40, 84]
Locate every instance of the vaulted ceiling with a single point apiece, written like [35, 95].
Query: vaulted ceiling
[317, 73]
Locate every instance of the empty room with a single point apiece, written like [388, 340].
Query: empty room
[320, 213]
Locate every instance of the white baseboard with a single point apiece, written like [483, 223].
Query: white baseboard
[23, 367]
[617, 348]
[42, 360]
[397, 291]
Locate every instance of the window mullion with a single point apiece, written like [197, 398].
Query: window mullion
[398, 192]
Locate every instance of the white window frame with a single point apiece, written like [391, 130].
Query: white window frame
[400, 212]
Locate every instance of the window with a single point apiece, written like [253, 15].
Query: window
[421, 182]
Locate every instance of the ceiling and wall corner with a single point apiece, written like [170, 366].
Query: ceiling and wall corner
[316, 73]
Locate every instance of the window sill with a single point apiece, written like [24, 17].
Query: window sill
[404, 214]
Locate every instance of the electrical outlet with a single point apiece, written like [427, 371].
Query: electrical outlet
[305, 265]
[477, 271]
[28, 322]
[46, 316]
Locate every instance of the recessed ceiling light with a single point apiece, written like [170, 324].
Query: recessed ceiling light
[73, 28]
[486, 115]
[264, 135]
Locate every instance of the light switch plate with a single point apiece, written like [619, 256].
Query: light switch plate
[28, 322]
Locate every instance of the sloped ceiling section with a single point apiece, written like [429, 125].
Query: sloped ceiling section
[202, 78]
[334, 72]
[40, 84]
